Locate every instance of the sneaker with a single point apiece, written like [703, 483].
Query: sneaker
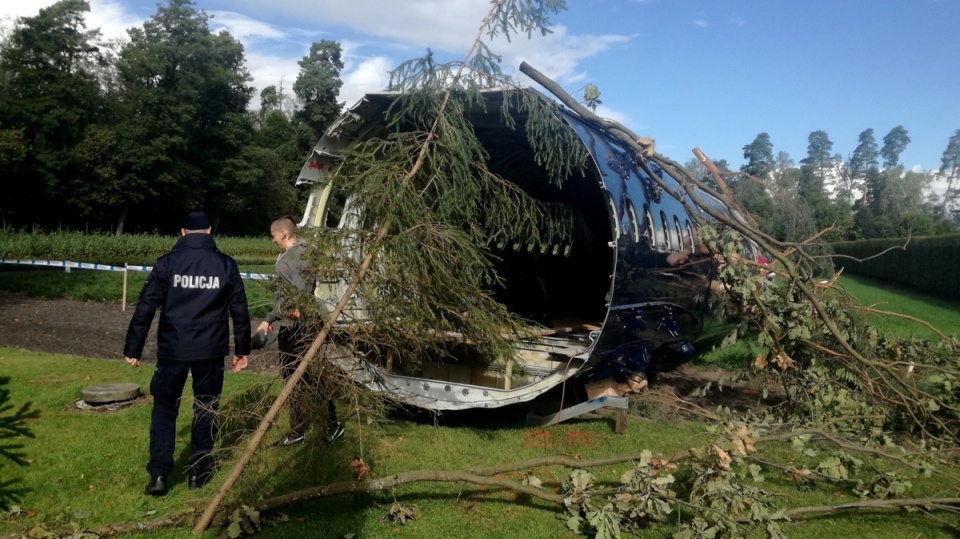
[334, 431]
[157, 486]
[195, 482]
[290, 438]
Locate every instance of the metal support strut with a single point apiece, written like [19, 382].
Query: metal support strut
[618, 403]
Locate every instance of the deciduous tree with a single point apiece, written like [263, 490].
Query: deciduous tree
[48, 98]
[187, 93]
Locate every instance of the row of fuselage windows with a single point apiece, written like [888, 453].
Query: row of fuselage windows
[664, 232]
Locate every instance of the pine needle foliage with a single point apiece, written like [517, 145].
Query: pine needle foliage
[12, 425]
[427, 180]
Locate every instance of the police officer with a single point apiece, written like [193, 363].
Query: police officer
[196, 287]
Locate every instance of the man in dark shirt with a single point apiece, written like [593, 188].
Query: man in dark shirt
[196, 287]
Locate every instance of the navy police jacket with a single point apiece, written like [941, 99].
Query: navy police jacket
[195, 286]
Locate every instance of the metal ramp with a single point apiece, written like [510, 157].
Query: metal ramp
[618, 403]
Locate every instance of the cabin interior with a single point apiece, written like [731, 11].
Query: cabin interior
[564, 289]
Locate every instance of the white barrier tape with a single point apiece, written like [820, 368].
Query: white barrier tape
[63, 264]
[107, 267]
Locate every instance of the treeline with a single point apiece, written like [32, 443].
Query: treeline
[859, 197]
[127, 136]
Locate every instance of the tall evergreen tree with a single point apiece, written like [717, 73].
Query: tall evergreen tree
[751, 192]
[893, 145]
[819, 156]
[318, 85]
[759, 156]
[950, 171]
[865, 155]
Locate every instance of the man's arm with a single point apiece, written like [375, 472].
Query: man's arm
[240, 314]
[151, 298]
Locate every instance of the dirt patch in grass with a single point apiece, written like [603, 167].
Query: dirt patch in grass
[82, 328]
[709, 387]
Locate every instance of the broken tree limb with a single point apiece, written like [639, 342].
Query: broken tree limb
[393, 481]
[491, 476]
[644, 145]
[715, 172]
[883, 380]
[285, 393]
[950, 504]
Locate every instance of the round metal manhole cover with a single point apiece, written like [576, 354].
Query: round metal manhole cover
[105, 393]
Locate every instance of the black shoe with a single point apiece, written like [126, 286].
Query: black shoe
[290, 438]
[157, 486]
[334, 431]
[195, 482]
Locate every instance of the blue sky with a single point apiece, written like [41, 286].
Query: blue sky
[688, 73]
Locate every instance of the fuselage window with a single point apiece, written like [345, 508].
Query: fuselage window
[634, 224]
[678, 230]
[650, 230]
[615, 221]
[691, 238]
[667, 242]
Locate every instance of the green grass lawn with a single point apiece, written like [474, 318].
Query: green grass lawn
[89, 467]
[941, 313]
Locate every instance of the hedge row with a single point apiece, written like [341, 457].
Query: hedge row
[931, 264]
[124, 249]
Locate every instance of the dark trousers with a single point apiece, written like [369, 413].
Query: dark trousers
[167, 388]
[291, 343]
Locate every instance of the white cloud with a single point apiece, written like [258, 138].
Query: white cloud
[270, 70]
[23, 8]
[616, 115]
[244, 28]
[110, 16]
[559, 54]
[375, 35]
[359, 77]
[370, 75]
[939, 184]
[448, 25]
